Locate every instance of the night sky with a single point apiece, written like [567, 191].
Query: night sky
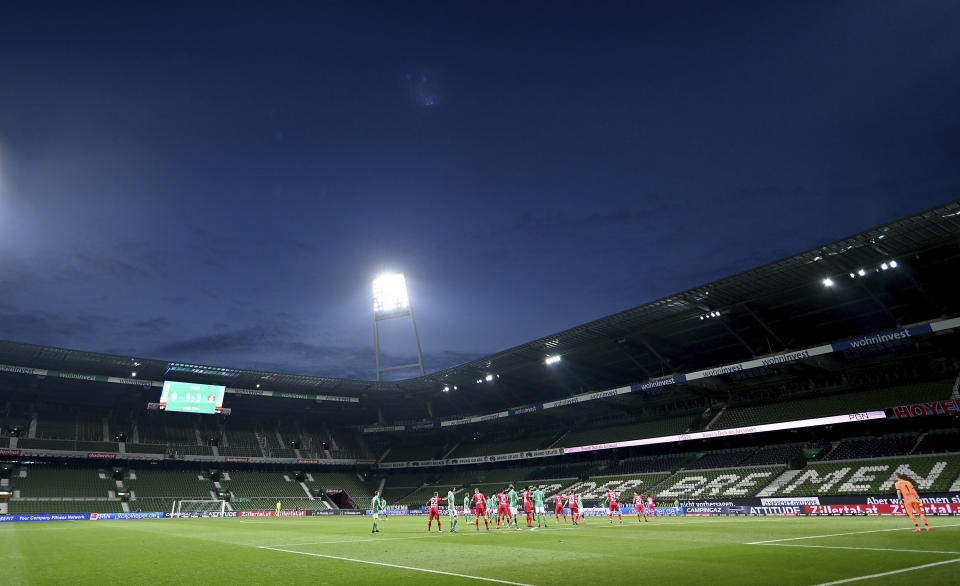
[219, 182]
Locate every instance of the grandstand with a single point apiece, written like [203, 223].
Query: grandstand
[662, 401]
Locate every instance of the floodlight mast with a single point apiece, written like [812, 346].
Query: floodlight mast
[390, 301]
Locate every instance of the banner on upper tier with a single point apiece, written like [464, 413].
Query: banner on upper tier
[661, 385]
[925, 409]
[800, 423]
[817, 421]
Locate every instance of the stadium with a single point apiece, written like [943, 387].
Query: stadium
[766, 416]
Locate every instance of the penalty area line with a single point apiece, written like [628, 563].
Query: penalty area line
[890, 573]
[857, 548]
[841, 534]
[384, 564]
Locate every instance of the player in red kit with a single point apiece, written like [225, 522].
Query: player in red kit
[528, 506]
[503, 508]
[614, 505]
[558, 508]
[638, 504]
[481, 507]
[574, 510]
[434, 505]
[651, 507]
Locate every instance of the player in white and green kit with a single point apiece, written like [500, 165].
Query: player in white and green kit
[538, 507]
[512, 497]
[375, 511]
[580, 506]
[466, 506]
[452, 509]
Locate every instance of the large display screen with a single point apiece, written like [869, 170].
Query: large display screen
[191, 397]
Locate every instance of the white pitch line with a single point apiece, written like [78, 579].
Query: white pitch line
[345, 541]
[890, 573]
[840, 534]
[411, 568]
[858, 548]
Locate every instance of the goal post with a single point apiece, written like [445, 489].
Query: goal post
[198, 508]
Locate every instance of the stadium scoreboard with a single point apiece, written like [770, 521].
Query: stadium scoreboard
[191, 397]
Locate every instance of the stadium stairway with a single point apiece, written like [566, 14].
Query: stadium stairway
[778, 483]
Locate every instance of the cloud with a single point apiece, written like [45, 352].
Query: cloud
[277, 351]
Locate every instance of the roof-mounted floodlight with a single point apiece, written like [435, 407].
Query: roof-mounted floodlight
[552, 359]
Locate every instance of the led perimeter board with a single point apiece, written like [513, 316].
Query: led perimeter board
[191, 397]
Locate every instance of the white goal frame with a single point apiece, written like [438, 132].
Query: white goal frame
[213, 507]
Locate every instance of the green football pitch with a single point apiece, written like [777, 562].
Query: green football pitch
[341, 550]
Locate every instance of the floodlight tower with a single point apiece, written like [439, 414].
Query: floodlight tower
[390, 301]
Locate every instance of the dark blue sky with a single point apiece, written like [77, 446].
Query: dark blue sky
[218, 182]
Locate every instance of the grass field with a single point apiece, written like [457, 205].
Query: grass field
[341, 550]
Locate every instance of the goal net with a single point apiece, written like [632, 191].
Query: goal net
[198, 508]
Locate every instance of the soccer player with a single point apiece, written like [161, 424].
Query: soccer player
[503, 510]
[481, 509]
[434, 512]
[638, 505]
[614, 505]
[558, 508]
[278, 508]
[580, 507]
[676, 505]
[574, 509]
[512, 497]
[466, 505]
[651, 506]
[452, 510]
[538, 507]
[528, 507]
[375, 507]
[383, 508]
[491, 505]
[911, 501]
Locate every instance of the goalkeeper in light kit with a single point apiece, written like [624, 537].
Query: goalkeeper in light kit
[375, 508]
[911, 501]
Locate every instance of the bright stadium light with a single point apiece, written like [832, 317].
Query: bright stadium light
[828, 282]
[862, 273]
[488, 378]
[390, 300]
[884, 266]
[133, 374]
[893, 264]
[390, 293]
[552, 360]
[446, 388]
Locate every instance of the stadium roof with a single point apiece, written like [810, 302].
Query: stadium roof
[782, 305]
